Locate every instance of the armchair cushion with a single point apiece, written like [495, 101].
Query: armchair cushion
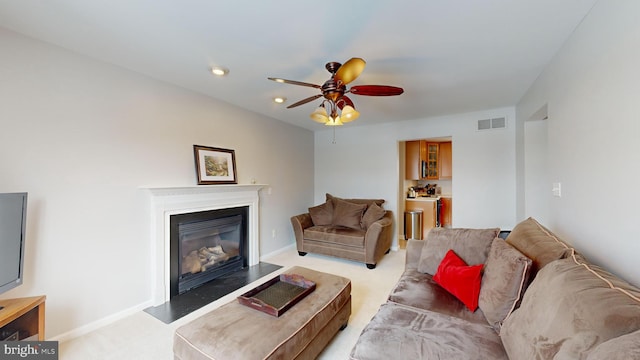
[347, 214]
[322, 214]
[374, 213]
[367, 202]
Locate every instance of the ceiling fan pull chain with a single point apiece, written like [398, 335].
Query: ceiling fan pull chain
[334, 135]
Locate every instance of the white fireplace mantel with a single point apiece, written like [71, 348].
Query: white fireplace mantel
[167, 201]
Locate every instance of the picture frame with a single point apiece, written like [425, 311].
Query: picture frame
[215, 165]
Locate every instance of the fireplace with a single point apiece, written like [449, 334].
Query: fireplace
[206, 245]
[171, 201]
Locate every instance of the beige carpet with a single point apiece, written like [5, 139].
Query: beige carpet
[142, 336]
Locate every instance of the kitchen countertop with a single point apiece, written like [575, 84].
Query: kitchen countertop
[428, 198]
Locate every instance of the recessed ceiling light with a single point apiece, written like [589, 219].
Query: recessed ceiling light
[279, 99]
[219, 71]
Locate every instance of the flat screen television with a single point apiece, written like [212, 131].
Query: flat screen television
[13, 217]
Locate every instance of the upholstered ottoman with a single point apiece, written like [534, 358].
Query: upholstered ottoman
[235, 331]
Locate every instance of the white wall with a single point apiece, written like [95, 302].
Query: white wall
[364, 162]
[537, 183]
[82, 137]
[592, 90]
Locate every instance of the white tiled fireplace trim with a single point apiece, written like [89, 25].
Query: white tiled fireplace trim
[169, 201]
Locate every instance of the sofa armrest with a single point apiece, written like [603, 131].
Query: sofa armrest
[413, 252]
[299, 223]
[377, 240]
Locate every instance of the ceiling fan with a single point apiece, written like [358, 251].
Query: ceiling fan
[334, 92]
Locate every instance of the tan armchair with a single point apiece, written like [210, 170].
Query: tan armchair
[354, 229]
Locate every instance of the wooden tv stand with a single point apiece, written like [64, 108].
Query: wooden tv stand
[24, 314]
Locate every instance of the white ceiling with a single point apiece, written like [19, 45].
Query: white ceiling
[450, 56]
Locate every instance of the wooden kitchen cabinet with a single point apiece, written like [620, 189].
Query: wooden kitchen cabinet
[445, 161]
[428, 160]
[445, 212]
[429, 208]
[431, 160]
[412, 160]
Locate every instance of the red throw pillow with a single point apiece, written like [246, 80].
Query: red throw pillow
[461, 280]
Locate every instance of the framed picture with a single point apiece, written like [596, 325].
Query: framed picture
[215, 165]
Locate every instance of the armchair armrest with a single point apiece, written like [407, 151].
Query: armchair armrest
[299, 223]
[377, 240]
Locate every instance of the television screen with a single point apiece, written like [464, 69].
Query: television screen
[13, 213]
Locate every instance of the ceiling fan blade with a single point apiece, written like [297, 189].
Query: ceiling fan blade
[293, 82]
[345, 101]
[304, 101]
[350, 70]
[376, 90]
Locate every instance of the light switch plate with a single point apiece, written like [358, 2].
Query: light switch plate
[557, 189]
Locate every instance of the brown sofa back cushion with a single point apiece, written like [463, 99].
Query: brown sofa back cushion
[568, 310]
[623, 347]
[322, 214]
[505, 278]
[374, 213]
[472, 245]
[347, 214]
[367, 202]
[538, 244]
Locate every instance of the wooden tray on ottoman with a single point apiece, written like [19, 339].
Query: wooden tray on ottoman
[278, 294]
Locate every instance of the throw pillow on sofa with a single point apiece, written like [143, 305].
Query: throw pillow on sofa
[347, 214]
[367, 202]
[506, 273]
[568, 310]
[460, 279]
[472, 245]
[537, 243]
[322, 214]
[373, 214]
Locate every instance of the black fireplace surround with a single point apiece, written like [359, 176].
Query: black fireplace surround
[206, 245]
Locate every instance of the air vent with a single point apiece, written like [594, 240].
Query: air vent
[495, 123]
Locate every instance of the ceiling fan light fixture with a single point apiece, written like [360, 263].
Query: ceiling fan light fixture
[334, 121]
[279, 99]
[320, 115]
[349, 114]
[219, 71]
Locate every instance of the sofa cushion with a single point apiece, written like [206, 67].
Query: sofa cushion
[418, 290]
[347, 214]
[505, 276]
[402, 332]
[538, 244]
[367, 202]
[374, 213]
[460, 279]
[623, 347]
[568, 310]
[337, 235]
[472, 245]
[322, 214]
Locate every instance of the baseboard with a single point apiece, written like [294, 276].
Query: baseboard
[277, 252]
[85, 329]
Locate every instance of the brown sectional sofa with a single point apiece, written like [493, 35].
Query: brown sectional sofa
[354, 229]
[539, 299]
